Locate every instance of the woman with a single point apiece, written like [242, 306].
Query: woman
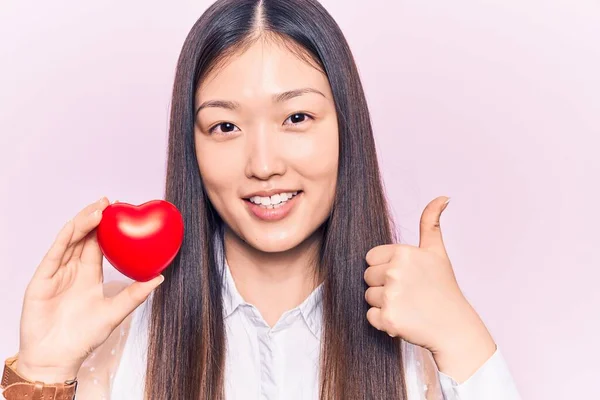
[288, 284]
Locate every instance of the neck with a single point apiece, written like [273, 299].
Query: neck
[273, 282]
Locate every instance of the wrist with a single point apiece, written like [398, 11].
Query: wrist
[46, 374]
[465, 350]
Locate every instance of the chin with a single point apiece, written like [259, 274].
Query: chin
[275, 237]
[275, 243]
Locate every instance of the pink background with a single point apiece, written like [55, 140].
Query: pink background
[494, 103]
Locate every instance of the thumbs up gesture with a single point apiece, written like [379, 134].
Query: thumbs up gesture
[413, 294]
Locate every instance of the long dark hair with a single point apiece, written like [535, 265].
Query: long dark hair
[186, 355]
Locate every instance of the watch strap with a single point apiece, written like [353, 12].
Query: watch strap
[16, 387]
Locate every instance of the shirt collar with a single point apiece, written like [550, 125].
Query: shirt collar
[310, 308]
[232, 299]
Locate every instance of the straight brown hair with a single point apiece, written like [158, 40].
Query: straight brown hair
[186, 355]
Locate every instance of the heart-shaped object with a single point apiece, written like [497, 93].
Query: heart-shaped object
[140, 241]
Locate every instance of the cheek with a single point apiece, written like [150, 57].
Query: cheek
[316, 157]
[218, 170]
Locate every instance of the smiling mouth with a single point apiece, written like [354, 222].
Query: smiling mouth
[274, 201]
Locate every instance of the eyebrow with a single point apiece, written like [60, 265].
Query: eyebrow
[277, 98]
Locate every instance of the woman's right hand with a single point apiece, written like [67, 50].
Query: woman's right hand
[65, 313]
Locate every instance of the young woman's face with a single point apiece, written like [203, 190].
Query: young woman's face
[267, 146]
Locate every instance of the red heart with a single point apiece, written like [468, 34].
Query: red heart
[140, 241]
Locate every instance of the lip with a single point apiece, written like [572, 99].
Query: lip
[272, 214]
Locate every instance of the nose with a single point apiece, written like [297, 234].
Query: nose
[264, 155]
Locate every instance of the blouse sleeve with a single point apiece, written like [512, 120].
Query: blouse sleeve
[97, 371]
[492, 381]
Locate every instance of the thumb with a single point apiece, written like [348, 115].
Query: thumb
[132, 296]
[430, 234]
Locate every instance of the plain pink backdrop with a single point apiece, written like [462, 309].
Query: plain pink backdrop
[494, 103]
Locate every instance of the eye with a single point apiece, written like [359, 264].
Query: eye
[227, 128]
[298, 118]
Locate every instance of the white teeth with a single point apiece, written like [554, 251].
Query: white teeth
[277, 200]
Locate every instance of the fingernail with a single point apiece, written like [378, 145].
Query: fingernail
[101, 199]
[446, 204]
[162, 279]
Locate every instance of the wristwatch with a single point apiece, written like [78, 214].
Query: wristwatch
[18, 388]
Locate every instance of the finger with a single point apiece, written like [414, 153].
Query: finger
[91, 255]
[91, 252]
[374, 317]
[375, 296]
[84, 224]
[430, 234]
[132, 296]
[86, 227]
[52, 260]
[380, 254]
[376, 275]
[82, 219]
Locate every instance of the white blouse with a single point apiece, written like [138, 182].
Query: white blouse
[274, 363]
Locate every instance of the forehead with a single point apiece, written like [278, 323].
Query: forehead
[262, 69]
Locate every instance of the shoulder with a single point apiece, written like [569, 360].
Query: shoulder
[97, 372]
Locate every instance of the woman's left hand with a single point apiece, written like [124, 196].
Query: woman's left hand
[414, 294]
